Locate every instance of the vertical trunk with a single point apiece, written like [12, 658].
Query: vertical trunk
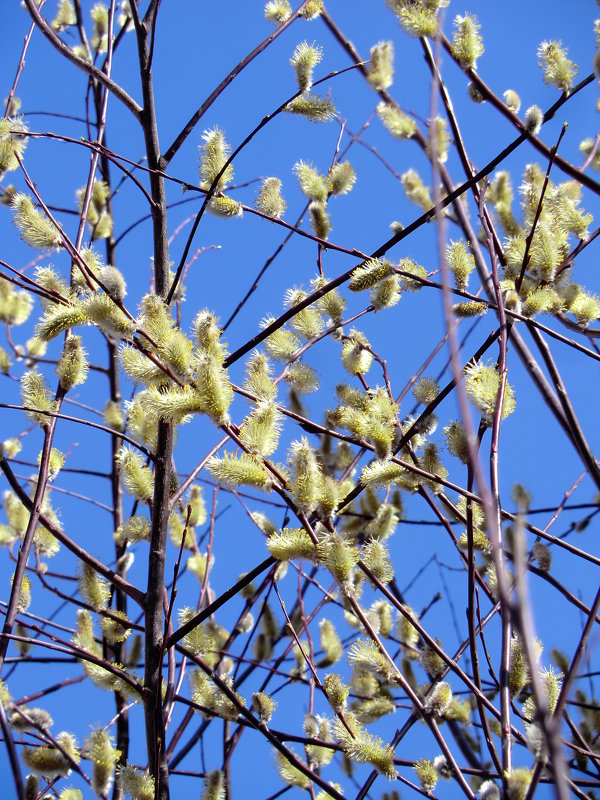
[154, 617]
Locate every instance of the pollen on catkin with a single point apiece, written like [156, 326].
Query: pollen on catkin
[320, 220]
[98, 747]
[264, 706]
[278, 11]
[341, 178]
[35, 229]
[72, 367]
[439, 137]
[337, 691]
[232, 471]
[137, 783]
[380, 70]
[214, 785]
[13, 140]
[269, 200]
[291, 543]
[15, 306]
[306, 322]
[213, 154]
[225, 207]
[559, 71]
[416, 191]
[339, 557]
[397, 123]
[461, 263]
[35, 394]
[438, 700]
[138, 479]
[481, 384]
[304, 59]
[306, 477]
[368, 274]
[312, 184]
[364, 748]
[467, 44]
[289, 773]
[417, 18]
[427, 774]
[314, 107]
[356, 358]
[312, 9]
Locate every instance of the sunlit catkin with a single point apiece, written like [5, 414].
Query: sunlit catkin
[306, 476]
[98, 747]
[72, 367]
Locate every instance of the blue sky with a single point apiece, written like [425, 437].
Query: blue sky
[197, 44]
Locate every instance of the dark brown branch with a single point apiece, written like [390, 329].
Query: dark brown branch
[83, 65]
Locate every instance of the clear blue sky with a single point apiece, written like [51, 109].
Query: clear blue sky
[197, 44]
